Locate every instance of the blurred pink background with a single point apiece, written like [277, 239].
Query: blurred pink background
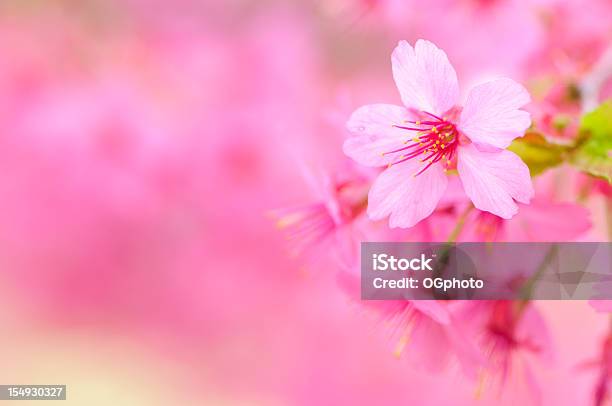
[143, 145]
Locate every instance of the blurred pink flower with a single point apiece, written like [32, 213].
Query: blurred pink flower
[589, 185]
[511, 334]
[575, 36]
[542, 220]
[557, 115]
[471, 138]
[603, 365]
[425, 332]
[483, 37]
[340, 201]
[547, 218]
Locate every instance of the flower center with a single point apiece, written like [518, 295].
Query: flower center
[436, 140]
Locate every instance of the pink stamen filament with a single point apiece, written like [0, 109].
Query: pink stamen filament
[434, 116]
[437, 140]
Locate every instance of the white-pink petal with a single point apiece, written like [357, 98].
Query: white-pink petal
[408, 199]
[373, 134]
[424, 77]
[491, 114]
[493, 180]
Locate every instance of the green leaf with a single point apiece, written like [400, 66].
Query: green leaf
[593, 153]
[537, 152]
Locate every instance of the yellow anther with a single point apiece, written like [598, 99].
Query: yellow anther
[480, 387]
[442, 146]
[434, 129]
[418, 122]
[289, 220]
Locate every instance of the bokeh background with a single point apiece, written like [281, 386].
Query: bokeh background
[143, 144]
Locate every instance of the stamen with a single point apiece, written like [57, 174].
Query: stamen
[400, 346]
[407, 128]
[434, 116]
[437, 140]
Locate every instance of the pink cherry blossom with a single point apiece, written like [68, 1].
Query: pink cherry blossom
[427, 333]
[512, 336]
[340, 199]
[557, 115]
[603, 365]
[421, 141]
[542, 220]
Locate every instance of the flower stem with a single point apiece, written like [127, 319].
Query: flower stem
[609, 218]
[527, 289]
[459, 226]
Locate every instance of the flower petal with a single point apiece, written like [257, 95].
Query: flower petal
[544, 220]
[601, 306]
[492, 179]
[433, 309]
[373, 134]
[491, 114]
[424, 77]
[407, 198]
